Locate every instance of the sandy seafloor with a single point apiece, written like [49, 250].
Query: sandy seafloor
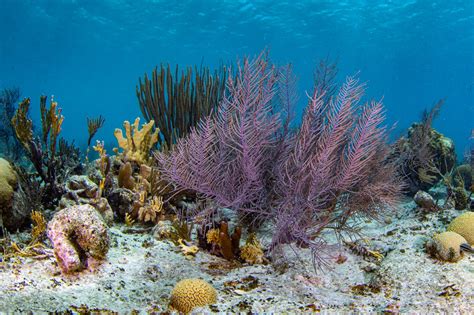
[140, 272]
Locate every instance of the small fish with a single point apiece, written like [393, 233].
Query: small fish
[467, 248]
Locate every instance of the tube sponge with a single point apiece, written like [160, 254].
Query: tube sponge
[77, 233]
[190, 293]
[464, 226]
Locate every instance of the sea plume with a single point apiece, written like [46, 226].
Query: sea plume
[247, 158]
[226, 156]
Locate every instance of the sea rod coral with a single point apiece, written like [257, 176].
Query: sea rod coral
[333, 168]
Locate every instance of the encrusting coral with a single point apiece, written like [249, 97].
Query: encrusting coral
[464, 226]
[252, 252]
[446, 246]
[137, 143]
[190, 293]
[77, 234]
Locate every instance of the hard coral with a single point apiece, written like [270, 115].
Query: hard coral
[446, 246]
[252, 252]
[137, 143]
[464, 226]
[77, 234]
[8, 183]
[191, 293]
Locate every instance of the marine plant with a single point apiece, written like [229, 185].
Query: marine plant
[333, 168]
[11, 147]
[177, 101]
[52, 157]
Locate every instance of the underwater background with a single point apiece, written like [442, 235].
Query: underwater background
[90, 54]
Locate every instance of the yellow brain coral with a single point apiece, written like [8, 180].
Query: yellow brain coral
[8, 182]
[446, 246]
[464, 226]
[191, 293]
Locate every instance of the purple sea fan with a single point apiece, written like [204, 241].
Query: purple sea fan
[226, 157]
[246, 158]
[335, 168]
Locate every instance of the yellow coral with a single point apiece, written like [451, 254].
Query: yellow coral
[252, 252]
[8, 182]
[212, 236]
[446, 246]
[150, 212]
[188, 250]
[464, 226]
[190, 293]
[137, 143]
[39, 225]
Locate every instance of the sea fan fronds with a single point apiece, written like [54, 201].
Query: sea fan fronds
[332, 169]
[226, 157]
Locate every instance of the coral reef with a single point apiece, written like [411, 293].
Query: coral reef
[176, 103]
[464, 226]
[78, 233]
[446, 246]
[137, 143]
[191, 293]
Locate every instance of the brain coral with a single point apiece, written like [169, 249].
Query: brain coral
[464, 226]
[77, 233]
[191, 293]
[446, 246]
[8, 182]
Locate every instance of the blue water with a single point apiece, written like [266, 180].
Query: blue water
[89, 54]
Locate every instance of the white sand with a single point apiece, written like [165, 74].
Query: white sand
[141, 271]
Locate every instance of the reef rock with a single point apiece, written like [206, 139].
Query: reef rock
[121, 201]
[425, 201]
[81, 190]
[441, 150]
[78, 234]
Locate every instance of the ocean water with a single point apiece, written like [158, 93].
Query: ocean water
[90, 54]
